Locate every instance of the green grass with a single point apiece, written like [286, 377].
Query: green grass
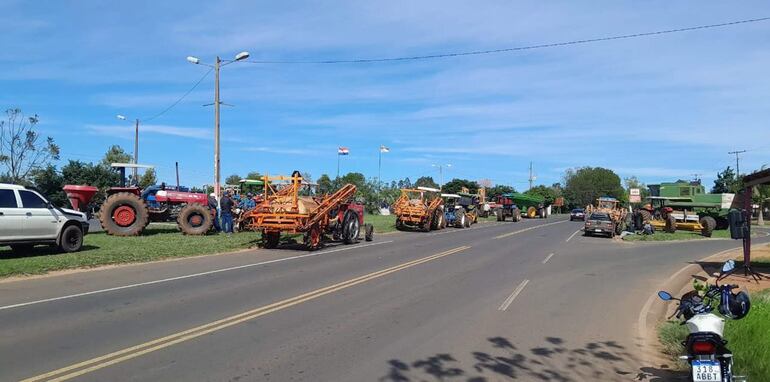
[158, 242]
[381, 223]
[747, 338]
[678, 235]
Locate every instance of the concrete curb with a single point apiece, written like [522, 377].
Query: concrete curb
[655, 309]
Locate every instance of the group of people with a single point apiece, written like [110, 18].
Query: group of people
[232, 205]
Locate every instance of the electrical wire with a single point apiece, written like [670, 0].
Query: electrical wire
[503, 50]
[180, 98]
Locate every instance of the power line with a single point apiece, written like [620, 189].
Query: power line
[520, 48]
[178, 100]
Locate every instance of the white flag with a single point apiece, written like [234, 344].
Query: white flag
[384, 149]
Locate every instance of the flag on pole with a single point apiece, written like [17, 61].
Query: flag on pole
[343, 151]
[384, 149]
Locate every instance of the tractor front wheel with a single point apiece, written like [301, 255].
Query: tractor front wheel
[438, 219]
[460, 218]
[499, 214]
[270, 240]
[194, 219]
[350, 227]
[313, 238]
[368, 232]
[124, 214]
[708, 223]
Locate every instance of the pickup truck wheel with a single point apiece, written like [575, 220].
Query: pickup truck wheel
[71, 239]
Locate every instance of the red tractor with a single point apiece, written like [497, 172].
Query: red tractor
[126, 213]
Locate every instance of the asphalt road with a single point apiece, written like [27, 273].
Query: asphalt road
[528, 301]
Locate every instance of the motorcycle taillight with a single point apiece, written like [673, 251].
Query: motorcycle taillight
[703, 347]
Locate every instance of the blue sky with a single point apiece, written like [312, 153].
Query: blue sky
[660, 108]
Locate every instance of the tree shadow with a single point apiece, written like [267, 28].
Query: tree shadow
[554, 360]
[40, 250]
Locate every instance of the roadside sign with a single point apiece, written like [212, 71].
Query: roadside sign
[635, 195]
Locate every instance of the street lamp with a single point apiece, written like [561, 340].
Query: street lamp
[136, 142]
[217, 65]
[441, 173]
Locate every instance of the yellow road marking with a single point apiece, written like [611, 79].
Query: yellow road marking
[163, 342]
[528, 229]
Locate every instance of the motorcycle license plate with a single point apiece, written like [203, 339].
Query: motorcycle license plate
[706, 371]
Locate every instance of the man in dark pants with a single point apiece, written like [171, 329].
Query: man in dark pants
[227, 205]
[213, 208]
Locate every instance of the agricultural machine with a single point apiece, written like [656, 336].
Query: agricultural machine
[663, 216]
[692, 196]
[283, 210]
[420, 208]
[611, 207]
[126, 213]
[512, 204]
[459, 211]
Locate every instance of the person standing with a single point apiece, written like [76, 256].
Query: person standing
[227, 205]
[213, 208]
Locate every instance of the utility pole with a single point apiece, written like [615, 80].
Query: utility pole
[737, 162]
[176, 164]
[531, 177]
[136, 150]
[217, 186]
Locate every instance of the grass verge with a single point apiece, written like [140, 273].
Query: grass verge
[748, 339]
[159, 241]
[678, 235]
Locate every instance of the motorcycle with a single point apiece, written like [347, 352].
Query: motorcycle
[707, 354]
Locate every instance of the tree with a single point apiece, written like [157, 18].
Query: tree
[97, 175]
[50, 183]
[425, 181]
[499, 189]
[21, 151]
[547, 193]
[148, 178]
[233, 179]
[116, 154]
[633, 182]
[584, 185]
[254, 175]
[455, 185]
[726, 182]
[356, 178]
[325, 185]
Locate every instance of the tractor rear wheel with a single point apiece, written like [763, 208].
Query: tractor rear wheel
[709, 224]
[460, 218]
[438, 217]
[195, 219]
[531, 212]
[351, 227]
[670, 223]
[646, 216]
[270, 240]
[124, 214]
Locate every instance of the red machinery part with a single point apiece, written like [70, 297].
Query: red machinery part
[124, 216]
[79, 196]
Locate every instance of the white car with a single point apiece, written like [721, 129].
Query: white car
[28, 219]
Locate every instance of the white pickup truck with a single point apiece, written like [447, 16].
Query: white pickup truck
[28, 219]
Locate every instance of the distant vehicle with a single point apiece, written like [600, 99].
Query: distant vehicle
[28, 219]
[577, 214]
[599, 223]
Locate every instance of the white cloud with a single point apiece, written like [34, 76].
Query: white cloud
[127, 131]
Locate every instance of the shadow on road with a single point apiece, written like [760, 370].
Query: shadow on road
[553, 361]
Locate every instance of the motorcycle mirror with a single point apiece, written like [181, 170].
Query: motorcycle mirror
[728, 266]
[665, 296]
